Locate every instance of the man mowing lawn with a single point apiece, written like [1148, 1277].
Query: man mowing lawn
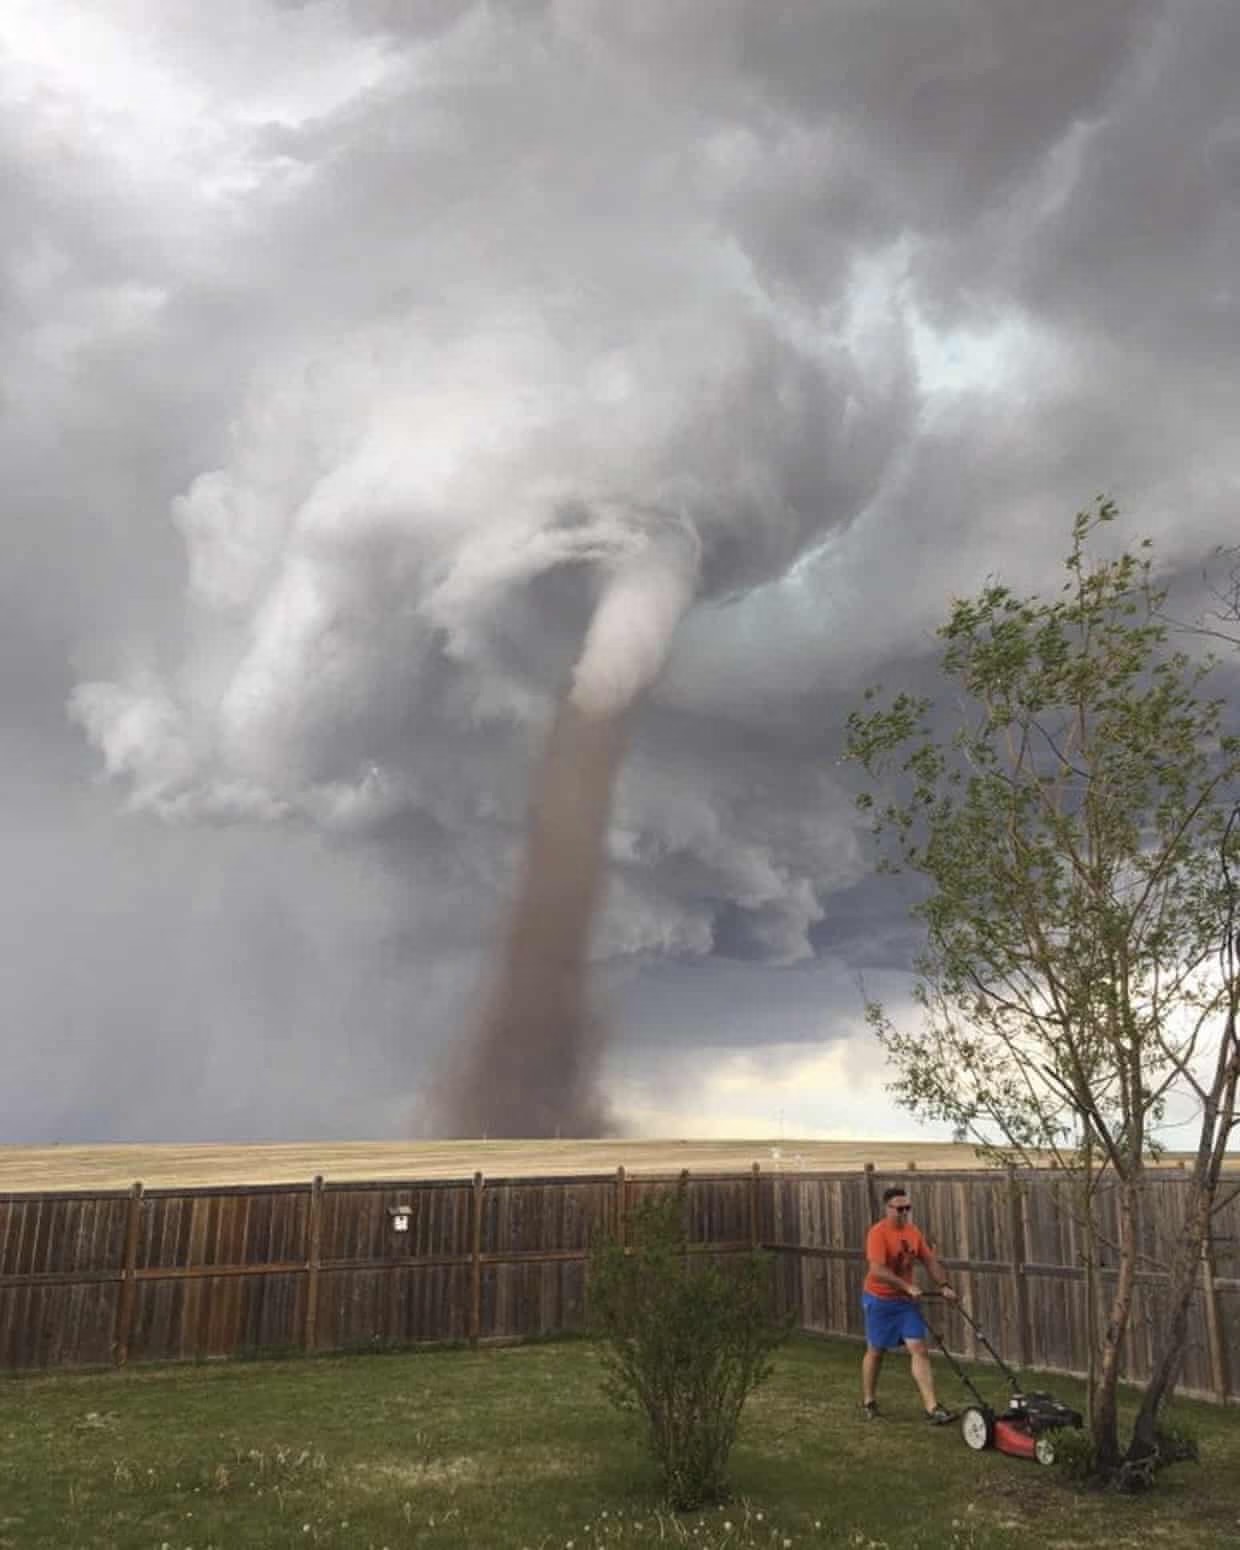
[889, 1298]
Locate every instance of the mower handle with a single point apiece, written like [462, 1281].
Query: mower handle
[956, 1367]
[977, 1329]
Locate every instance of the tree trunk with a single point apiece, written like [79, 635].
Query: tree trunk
[1185, 1263]
[1091, 1278]
[1091, 1336]
[1105, 1404]
[1217, 1121]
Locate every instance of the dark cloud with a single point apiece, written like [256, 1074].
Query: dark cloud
[353, 349]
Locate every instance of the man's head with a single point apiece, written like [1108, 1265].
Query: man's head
[897, 1205]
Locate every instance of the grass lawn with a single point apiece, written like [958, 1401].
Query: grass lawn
[515, 1446]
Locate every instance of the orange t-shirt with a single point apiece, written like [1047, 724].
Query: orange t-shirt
[897, 1248]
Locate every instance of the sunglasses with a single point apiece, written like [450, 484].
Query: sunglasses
[902, 1209]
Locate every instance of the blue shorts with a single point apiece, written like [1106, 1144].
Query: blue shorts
[890, 1321]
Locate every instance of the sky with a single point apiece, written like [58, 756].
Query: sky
[354, 348]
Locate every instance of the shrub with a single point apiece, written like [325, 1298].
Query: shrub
[684, 1343]
[1076, 1458]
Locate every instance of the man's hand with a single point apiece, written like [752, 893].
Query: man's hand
[948, 1292]
[914, 1290]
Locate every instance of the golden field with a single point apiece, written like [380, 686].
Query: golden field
[164, 1165]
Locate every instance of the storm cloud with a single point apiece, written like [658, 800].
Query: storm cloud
[355, 350]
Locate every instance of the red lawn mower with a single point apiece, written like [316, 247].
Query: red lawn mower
[1027, 1428]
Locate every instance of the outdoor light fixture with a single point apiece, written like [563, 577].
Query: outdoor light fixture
[400, 1217]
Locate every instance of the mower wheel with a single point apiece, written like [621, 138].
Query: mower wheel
[977, 1427]
[1044, 1448]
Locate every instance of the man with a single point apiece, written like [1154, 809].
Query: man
[890, 1297]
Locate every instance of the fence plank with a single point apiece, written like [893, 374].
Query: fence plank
[1020, 1286]
[125, 1302]
[314, 1261]
[871, 1191]
[475, 1280]
[964, 1213]
[621, 1207]
[1214, 1327]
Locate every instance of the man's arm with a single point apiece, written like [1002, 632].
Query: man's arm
[937, 1274]
[879, 1271]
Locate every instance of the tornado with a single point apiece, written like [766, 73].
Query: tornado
[532, 1068]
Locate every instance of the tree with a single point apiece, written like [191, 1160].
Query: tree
[1077, 843]
[1222, 622]
[684, 1343]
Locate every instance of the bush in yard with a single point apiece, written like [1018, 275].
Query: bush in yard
[1076, 1457]
[684, 1343]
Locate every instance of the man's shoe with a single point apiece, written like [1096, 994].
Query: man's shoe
[939, 1417]
[869, 1410]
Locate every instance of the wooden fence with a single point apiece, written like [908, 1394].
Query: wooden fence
[189, 1274]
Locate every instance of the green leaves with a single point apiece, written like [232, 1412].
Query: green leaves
[684, 1341]
[1069, 830]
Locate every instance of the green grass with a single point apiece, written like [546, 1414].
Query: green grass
[510, 1447]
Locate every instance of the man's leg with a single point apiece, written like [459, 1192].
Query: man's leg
[922, 1375]
[870, 1364]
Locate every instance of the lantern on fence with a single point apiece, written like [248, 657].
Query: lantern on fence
[401, 1216]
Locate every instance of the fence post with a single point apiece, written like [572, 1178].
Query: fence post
[475, 1279]
[314, 1245]
[754, 1238]
[871, 1191]
[125, 1302]
[1020, 1287]
[1214, 1327]
[965, 1252]
[622, 1205]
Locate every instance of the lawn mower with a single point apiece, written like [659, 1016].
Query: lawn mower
[1027, 1428]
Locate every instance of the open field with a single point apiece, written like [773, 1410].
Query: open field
[516, 1447]
[161, 1165]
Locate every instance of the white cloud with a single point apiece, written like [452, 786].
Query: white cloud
[783, 1092]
